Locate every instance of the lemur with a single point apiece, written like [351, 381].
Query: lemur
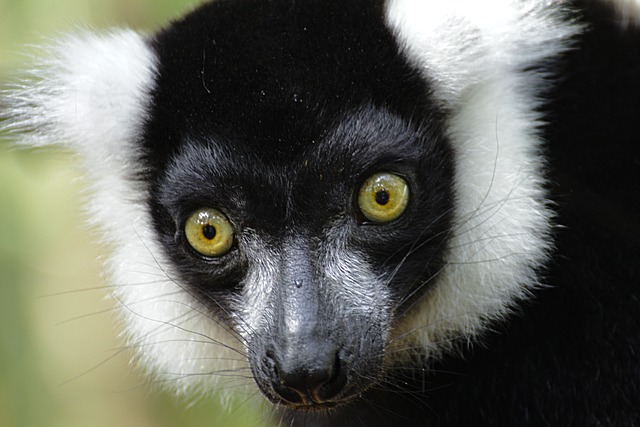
[389, 212]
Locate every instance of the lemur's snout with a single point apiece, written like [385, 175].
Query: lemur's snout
[304, 363]
[307, 376]
[318, 347]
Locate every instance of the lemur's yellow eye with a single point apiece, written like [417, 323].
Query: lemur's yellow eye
[209, 232]
[383, 197]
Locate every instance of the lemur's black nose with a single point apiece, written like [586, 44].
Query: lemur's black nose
[308, 377]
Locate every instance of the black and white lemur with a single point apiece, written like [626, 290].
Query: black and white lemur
[384, 212]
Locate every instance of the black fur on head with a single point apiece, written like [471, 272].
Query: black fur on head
[275, 118]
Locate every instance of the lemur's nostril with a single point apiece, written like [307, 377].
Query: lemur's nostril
[308, 382]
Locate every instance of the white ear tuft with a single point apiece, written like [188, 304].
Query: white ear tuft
[89, 92]
[628, 12]
[458, 43]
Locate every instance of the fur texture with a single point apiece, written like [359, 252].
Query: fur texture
[474, 55]
[275, 113]
[90, 94]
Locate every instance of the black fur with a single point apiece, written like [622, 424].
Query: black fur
[259, 109]
[272, 123]
[267, 113]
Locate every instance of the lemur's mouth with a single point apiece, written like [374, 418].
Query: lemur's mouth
[317, 404]
[314, 406]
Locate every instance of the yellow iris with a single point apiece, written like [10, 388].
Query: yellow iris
[383, 197]
[209, 232]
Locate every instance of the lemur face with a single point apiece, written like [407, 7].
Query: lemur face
[307, 254]
[315, 191]
[308, 212]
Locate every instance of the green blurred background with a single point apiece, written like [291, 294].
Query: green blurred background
[59, 364]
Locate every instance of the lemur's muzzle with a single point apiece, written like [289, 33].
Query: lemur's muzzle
[312, 350]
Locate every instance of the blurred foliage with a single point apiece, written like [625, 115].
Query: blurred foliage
[60, 363]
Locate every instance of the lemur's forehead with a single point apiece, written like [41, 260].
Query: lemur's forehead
[354, 142]
[278, 75]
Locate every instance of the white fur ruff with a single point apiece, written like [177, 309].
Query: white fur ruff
[474, 53]
[90, 94]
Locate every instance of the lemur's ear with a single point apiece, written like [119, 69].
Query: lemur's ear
[459, 44]
[89, 93]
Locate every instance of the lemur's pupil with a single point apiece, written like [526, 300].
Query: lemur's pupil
[209, 231]
[382, 197]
